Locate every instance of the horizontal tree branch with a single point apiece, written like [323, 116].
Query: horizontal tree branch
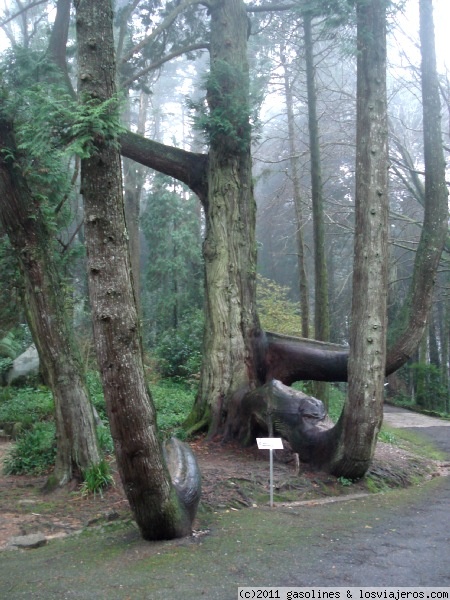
[187, 167]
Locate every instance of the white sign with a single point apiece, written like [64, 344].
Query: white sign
[269, 443]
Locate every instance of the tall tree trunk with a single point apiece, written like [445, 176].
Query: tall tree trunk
[363, 412]
[347, 449]
[142, 467]
[229, 246]
[302, 276]
[77, 447]
[321, 303]
[412, 321]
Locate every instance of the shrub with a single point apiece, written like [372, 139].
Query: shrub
[104, 439]
[179, 350]
[96, 393]
[173, 401]
[34, 452]
[25, 406]
[276, 311]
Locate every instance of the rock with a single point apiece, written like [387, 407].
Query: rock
[33, 540]
[25, 365]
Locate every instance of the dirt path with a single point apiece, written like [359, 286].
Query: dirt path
[400, 538]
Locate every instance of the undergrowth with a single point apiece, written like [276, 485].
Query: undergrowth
[28, 413]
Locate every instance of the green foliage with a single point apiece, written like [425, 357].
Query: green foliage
[173, 402]
[344, 481]
[388, 437]
[105, 440]
[336, 401]
[276, 311]
[96, 479]
[431, 394]
[26, 406]
[179, 350]
[94, 124]
[173, 281]
[34, 452]
[5, 365]
[95, 388]
[225, 117]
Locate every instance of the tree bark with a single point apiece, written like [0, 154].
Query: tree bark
[156, 506]
[229, 249]
[77, 447]
[361, 419]
[188, 167]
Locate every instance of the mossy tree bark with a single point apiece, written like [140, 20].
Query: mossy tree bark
[77, 447]
[231, 323]
[156, 506]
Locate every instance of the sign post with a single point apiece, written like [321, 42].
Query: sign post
[270, 444]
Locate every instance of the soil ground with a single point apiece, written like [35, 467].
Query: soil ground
[232, 478]
[310, 538]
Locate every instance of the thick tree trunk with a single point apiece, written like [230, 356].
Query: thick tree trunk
[77, 448]
[229, 247]
[142, 467]
[363, 412]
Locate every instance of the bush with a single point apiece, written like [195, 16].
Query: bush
[25, 406]
[431, 394]
[179, 350]
[34, 452]
[173, 401]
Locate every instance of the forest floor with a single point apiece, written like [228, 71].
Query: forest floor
[232, 478]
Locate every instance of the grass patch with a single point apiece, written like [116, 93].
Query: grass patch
[419, 445]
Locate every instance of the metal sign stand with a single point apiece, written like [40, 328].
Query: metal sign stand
[270, 444]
